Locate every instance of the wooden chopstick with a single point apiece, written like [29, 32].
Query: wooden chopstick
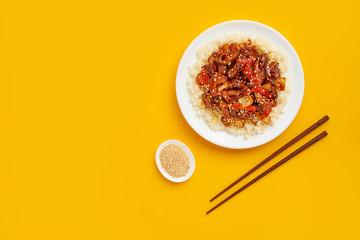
[294, 140]
[284, 160]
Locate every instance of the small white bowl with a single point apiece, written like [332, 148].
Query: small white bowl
[187, 151]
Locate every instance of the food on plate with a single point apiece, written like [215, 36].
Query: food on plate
[238, 84]
[242, 83]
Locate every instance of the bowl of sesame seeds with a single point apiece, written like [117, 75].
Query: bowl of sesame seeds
[175, 161]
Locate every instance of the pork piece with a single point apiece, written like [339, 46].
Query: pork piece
[220, 79]
[222, 69]
[259, 108]
[254, 53]
[226, 118]
[209, 69]
[243, 115]
[226, 112]
[254, 118]
[266, 110]
[262, 76]
[234, 47]
[263, 59]
[239, 123]
[214, 58]
[235, 98]
[230, 96]
[271, 89]
[249, 51]
[263, 110]
[223, 86]
[272, 71]
[215, 81]
[238, 117]
[224, 50]
[208, 103]
[234, 70]
[274, 93]
[226, 96]
[237, 83]
[233, 112]
[259, 98]
[233, 92]
[216, 100]
[229, 58]
[226, 121]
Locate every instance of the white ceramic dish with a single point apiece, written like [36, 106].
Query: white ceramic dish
[187, 151]
[222, 138]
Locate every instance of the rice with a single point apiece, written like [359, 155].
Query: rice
[212, 117]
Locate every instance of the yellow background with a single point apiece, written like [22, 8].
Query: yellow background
[87, 94]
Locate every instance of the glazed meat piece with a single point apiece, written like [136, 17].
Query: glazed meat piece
[234, 71]
[226, 118]
[274, 92]
[226, 121]
[222, 69]
[214, 58]
[217, 83]
[263, 59]
[233, 112]
[209, 69]
[208, 103]
[238, 84]
[229, 54]
[241, 83]
[243, 115]
[272, 70]
[249, 51]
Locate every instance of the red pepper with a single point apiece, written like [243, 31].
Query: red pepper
[225, 50]
[215, 94]
[256, 79]
[212, 87]
[202, 79]
[266, 110]
[248, 71]
[250, 108]
[237, 105]
[245, 61]
[205, 77]
[262, 91]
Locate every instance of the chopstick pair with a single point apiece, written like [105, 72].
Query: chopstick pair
[284, 160]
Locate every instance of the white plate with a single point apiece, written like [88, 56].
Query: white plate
[295, 72]
[187, 151]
